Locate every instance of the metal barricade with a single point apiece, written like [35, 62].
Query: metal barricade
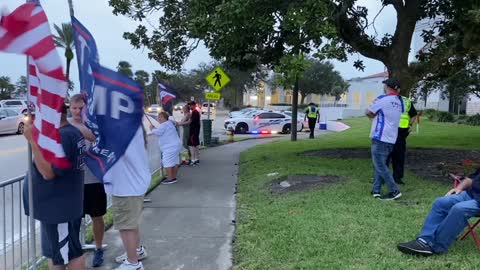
[15, 231]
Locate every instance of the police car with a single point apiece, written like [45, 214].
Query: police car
[262, 122]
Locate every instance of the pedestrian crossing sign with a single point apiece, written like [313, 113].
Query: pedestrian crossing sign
[218, 79]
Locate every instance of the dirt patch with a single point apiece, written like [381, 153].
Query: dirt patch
[432, 164]
[294, 183]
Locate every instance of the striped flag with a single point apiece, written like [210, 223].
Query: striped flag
[26, 31]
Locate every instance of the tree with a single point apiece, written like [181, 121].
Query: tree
[321, 78]
[243, 34]
[450, 62]
[21, 86]
[125, 68]
[6, 88]
[65, 39]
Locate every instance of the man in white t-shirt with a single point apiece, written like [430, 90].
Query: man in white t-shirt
[128, 181]
[385, 111]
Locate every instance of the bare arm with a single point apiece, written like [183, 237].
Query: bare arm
[465, 184]
[370, 114]
[43, 165]
[87, 134]
[187, 121]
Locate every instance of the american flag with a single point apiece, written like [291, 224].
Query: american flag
[26, 31]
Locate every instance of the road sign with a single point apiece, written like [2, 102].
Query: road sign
[218, 79]
[213, 96]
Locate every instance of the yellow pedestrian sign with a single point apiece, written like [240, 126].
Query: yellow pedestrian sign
[218, 79]
[213, 96]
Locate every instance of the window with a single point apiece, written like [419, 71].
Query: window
[14, 103]
[3, 113]
[269, 115]
[11, 113]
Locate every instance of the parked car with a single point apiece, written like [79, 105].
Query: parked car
[241, 112]
[262, 122]
[300, 117]
[154, 109]
[17, 105]
[205, 107]
[179, 106]
[11, 121]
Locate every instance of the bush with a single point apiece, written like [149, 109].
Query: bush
[444, 117]
[473, 120]
[429, 113]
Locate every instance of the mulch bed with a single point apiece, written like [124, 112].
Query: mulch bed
[295, 183]
[431, 164]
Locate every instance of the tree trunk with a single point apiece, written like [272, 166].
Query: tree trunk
[68, 69]
[293, 127]
[398, 69]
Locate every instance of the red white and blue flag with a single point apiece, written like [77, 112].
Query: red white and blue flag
[167, 97]
[114, 112]
[26, 31]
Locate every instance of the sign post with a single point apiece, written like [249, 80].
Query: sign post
[218, 79]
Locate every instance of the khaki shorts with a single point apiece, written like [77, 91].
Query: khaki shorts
[127, 212]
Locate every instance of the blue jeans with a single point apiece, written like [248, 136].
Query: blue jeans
[382, 174]
[447, 219]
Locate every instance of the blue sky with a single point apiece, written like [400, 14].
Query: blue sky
[107, 29]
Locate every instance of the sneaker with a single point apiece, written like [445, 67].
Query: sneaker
[416, 247]
[126, 265]
[97, 258]
[169, 182]
[142, 254]
[196, 162]
[392, 196]
[376, 195]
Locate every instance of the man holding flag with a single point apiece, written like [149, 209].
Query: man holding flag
[115, 102]
[57, 146]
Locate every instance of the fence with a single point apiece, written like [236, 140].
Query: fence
[16, 232]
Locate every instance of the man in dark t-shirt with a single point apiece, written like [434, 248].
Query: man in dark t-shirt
[58, 198]
[447, 219]
[194, 138]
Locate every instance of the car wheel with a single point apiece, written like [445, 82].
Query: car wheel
[287, 129]
[241, 128]
[20, 129]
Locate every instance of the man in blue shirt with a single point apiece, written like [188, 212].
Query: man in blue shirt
[447, 219]
[58, 198]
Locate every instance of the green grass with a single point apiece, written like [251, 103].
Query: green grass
[340, 226]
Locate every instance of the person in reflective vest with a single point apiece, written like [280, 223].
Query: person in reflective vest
[313, 116]
[397, 157]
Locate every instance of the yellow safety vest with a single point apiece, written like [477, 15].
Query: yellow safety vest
[405, 120]
[312, 112]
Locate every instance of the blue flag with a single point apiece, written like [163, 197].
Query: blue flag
[114, 105]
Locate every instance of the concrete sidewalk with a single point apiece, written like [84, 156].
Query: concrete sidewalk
[189, 225]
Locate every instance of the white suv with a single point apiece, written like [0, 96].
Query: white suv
[20, 106]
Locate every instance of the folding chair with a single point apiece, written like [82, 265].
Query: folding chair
[471, 228]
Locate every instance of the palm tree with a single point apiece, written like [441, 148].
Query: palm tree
[65, 39]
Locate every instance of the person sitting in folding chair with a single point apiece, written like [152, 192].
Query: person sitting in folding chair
[447, 219]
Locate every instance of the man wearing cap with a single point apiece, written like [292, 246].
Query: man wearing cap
[313, 116]
[399, 150]
[386, 112]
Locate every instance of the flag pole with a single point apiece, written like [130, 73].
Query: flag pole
[31, 218]
[29, 179]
